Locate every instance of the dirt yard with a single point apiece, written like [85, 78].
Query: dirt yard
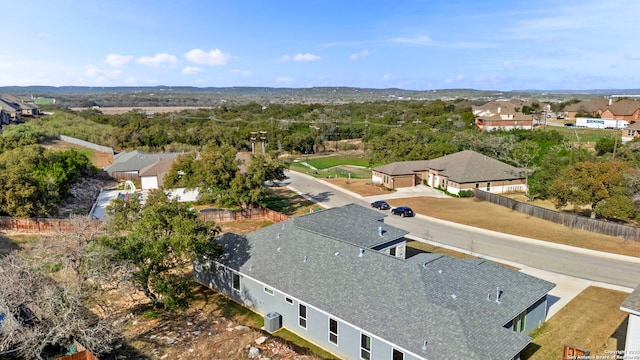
[473, 212]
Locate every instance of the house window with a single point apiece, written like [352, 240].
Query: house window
[333, 331]
[397, 355]
[268, 291]
[488, 186]
[235, 281]
[518, 322]
[302, 316]
[288, 300]
[365, 347]
[392, 251]
[477, 185]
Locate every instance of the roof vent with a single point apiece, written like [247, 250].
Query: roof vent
[424, 346]
[439, 271]
[250, 267]
[337, 253]
[488, 296]
[279, 249]
[498, 294]
[424, 264]
[454, 296]
[283, 225]
[361, 254]
[278, 236]
[380, 231]
[305, 259]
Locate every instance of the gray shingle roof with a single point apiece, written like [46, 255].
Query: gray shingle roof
[632, 302]
[136, 161]
[403, 167]
[469, 166]
[404, 302]
[366, 234]
[461, 167]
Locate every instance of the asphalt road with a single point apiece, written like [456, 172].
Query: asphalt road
[510, 248]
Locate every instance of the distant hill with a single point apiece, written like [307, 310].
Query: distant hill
[83, 96]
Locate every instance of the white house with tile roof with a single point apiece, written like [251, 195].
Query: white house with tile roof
[328, 278]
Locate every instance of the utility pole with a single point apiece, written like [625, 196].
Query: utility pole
[253, 141]
[317, 129]
[263, 139]
[364, 144]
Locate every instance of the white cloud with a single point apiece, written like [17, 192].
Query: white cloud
[460, 77]
[508, 64]
[388, 77]
[285, 80]
[243, 73]
[191, 70]
[213, 57]
[306, 57]
[157, 60]
[359, 55]
[416, 40]
[118, 60]
[102, 76]
[299, 57]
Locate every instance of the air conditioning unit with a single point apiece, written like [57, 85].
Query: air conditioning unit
[272, 322]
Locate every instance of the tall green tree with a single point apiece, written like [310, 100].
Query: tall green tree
[161, 246]
[592, 184]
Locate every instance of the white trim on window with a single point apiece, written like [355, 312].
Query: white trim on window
[365, 347]
[333, 331]
[302, 316]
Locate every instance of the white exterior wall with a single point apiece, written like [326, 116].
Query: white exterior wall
[149, 182]
[507, 188]
[376, 179]
[632, 347]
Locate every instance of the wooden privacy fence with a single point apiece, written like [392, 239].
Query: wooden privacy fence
[572, 220]
[35, 225]
[224, 215]
[49, 225]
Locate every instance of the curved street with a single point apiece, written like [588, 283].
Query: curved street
[585, 264]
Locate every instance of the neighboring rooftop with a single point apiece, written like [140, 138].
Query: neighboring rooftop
[632, 303]
[136, 161]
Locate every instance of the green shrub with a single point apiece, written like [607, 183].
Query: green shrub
[465, 193]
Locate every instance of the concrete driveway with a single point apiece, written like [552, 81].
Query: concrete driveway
[420, 190]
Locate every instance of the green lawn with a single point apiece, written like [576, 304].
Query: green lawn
[585, 135]
[332, 161]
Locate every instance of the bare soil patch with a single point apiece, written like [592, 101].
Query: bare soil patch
[363, 187]
[592, 320]
[98, 158]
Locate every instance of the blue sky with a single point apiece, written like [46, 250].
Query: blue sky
[408, 44]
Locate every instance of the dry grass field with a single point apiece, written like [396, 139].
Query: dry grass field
[592, 320]
[473, 212]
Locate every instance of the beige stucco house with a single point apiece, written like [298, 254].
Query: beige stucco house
[464, 170]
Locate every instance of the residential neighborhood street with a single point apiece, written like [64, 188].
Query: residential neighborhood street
[575, 262]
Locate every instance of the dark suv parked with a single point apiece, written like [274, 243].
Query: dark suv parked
[403, 211]
[382, 205]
